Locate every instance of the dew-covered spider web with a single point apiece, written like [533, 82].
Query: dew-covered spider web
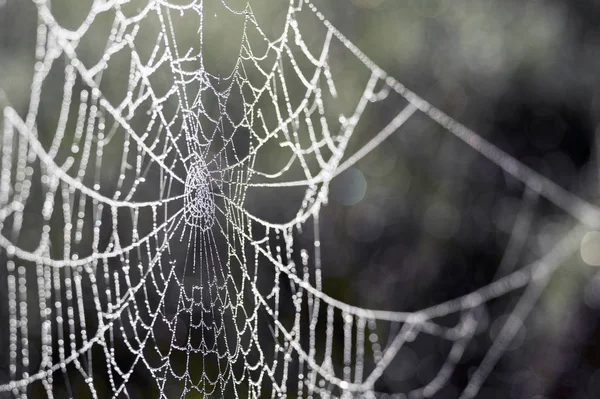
[134, 238]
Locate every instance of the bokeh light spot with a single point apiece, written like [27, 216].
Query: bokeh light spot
[590, 248]
[349, 187]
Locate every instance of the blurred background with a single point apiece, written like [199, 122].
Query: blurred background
[424, 218]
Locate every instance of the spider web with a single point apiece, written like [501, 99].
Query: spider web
[145, 254]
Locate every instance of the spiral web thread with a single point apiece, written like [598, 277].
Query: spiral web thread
[196, 323]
